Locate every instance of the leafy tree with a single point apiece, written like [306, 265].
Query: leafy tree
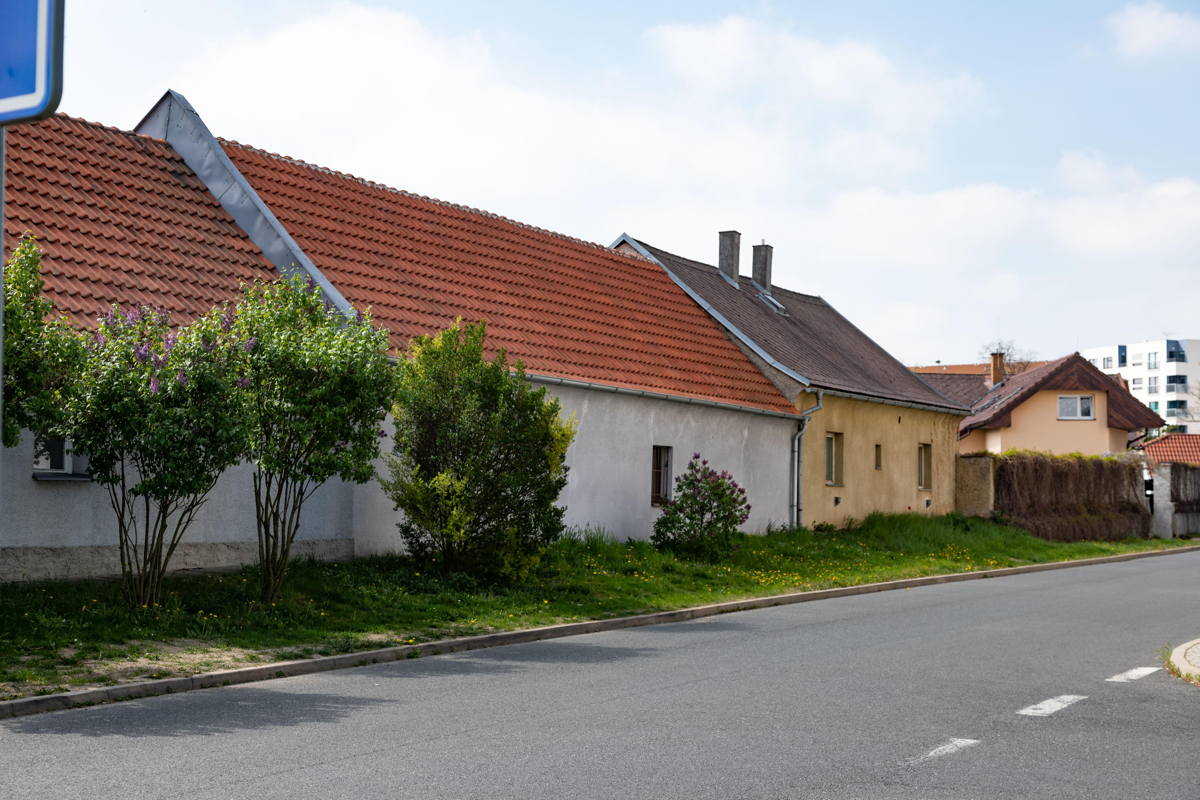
[153, 409]
[479, 460]
[314, 390]
[702, 518]
[41, 352]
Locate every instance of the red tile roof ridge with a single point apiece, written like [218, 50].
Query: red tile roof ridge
[104, 127]
[437, 201]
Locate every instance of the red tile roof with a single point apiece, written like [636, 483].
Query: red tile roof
[565, 307]
[1180, 448]
[121, 219]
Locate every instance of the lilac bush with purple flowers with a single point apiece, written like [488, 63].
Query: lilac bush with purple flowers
[154, 411]
[701, 520]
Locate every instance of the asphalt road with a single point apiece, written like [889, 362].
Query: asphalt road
[906, 694]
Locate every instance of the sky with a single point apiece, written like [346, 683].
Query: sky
[944, 174]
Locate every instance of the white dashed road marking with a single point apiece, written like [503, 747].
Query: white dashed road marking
[1048, 707]
[1132, 675]
[944, 749]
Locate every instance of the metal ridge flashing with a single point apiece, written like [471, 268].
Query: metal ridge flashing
[175, 121]
[553, 380]
[625, 238]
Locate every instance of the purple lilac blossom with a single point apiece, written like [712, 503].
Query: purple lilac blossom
[154, 384]
[249, 345]
[182, 377]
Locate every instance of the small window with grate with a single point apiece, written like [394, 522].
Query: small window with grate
[660, 475]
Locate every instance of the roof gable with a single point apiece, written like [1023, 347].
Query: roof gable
[1069, 373]
[121, 219]
[809, 338]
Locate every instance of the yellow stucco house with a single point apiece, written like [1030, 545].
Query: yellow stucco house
[872, 436]
[1061, 406]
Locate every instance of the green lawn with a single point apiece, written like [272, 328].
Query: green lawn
[59, 636]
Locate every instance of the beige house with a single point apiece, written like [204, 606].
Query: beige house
[873, 436]
[1062, 406]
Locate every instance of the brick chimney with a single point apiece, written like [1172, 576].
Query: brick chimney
[997, 371]
[762, 266]
[728, 254]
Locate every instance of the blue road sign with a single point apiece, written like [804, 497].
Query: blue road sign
[30, 59]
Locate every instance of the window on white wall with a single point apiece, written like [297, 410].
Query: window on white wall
[1076, 406]
[1152, 359]
[660, 475]
[52, 455]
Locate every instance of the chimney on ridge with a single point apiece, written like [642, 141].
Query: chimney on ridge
[762, 266]
[727, 255]
[997, 371]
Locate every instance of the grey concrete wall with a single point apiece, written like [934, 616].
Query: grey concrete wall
[1176, 496]
[975, 486]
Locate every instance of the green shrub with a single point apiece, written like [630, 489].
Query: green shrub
[702, 518]
[313, 390]
[41, 352]
[479, 459]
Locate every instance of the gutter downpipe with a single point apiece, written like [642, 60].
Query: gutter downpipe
[795, 507]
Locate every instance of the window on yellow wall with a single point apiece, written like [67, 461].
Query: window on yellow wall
[924, 466]
[833, 459]
[878, 456]
[1076, 406]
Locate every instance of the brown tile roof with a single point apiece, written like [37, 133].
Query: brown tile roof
[1071, 373]
[567, 308]
[965, 388]
[811, 338]
[1180, 448]
[121, 219]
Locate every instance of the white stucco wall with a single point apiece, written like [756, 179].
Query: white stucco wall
[41, 520]
[67, 529]
[609, 481]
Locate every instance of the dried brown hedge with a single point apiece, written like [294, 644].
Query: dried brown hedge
[1072, 498]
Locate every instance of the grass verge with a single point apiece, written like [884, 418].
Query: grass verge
[61, 636]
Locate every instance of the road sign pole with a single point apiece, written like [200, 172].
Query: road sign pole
[3, 261]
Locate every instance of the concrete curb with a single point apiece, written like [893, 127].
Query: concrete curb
[128, 691]
[1184, 661]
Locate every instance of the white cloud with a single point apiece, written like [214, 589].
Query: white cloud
[1148, 29]
[779, 135]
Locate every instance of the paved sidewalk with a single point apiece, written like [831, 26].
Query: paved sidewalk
[1186, 659]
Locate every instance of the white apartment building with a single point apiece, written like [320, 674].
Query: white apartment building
[1162, 373]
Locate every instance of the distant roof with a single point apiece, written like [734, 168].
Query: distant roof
[121, 220]
[967, 389]
[567, 308]
[969, 369]
[811, 338]
[1181, 448]
[1072, 373]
